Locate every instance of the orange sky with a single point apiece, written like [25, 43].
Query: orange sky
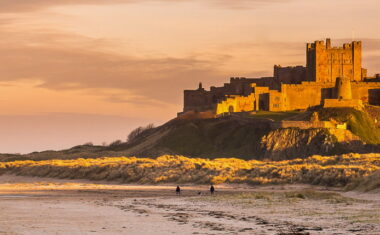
[74, 71]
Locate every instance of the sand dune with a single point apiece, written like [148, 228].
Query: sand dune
[340, 170]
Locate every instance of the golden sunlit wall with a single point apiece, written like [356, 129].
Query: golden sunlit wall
[236, 104]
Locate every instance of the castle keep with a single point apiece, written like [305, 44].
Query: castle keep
[333, 77]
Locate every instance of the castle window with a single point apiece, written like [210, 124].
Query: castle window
[277, 98]
[214, 99]
[276, 105]
[231, 109]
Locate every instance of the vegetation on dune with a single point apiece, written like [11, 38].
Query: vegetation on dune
[367, 183]
[332, 171]
[139, 131]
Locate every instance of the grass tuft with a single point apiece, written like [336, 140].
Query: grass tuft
[331, 171]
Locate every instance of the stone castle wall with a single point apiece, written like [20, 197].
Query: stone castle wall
[302, 124]
[367, 92]
[198, 100]
[291, 74]
[305, 95]
[236, 104]
[332, 74]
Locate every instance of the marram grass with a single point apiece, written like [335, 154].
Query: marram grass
[332, 171]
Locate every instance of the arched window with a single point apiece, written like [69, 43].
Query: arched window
[231, 109]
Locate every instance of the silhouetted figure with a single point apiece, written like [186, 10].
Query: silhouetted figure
[212, 189]
[178, 190]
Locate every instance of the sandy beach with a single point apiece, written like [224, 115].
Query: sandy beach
[31, 205]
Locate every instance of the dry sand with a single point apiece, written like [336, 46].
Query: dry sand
[50, 206]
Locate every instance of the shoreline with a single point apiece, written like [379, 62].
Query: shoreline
[32, 205]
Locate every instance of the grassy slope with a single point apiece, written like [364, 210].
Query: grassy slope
[360, 123]
[212, 138]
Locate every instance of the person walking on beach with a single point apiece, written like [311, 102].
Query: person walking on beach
[178, 190]
[212, 189]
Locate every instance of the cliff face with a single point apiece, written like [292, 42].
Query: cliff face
[289, 143]
[242, 138]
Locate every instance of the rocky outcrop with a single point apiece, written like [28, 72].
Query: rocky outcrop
[289, 143]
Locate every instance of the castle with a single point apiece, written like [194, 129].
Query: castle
[333, 77]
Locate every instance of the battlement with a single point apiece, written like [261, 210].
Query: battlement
[327, 45]
[234, 79]
[309, 84]
[288, 67]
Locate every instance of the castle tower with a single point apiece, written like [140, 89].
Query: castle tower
[343, 88]
[343, 96]
[326, 63]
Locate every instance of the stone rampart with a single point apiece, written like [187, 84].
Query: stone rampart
[340, 103]
[302, 124]
[236, 104]
[305, 95]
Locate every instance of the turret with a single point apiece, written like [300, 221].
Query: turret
[343, 88]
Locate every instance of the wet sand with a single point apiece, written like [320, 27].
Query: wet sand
[51, 206]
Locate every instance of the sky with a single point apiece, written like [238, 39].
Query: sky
[78, 71]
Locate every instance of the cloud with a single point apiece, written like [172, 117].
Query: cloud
[8, 6]
[246, 4]
[11, 6]
[69, 61]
